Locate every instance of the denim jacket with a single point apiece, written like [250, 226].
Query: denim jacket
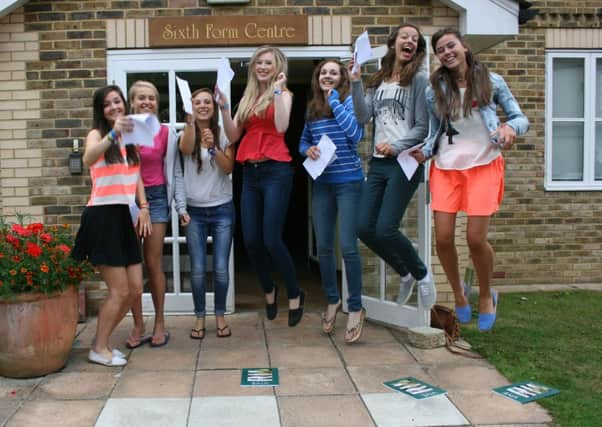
[501, 95]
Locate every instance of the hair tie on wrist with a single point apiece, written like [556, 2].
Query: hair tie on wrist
[277, 91]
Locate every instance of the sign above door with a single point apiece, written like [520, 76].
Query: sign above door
[204, 31]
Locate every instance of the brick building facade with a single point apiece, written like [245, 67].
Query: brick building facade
[53, 55]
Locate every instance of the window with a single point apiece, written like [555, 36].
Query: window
[574, 120]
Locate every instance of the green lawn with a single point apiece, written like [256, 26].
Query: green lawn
[554, 338]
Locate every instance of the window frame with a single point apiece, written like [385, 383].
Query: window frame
[588, 183]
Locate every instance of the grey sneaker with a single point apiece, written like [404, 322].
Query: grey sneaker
[427, 291]
[405, 289]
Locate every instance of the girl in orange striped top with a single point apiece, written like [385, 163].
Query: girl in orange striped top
[106, 236]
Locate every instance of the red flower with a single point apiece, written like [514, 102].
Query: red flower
[36, 227]
[13, 272]
[33, 250]
[12, 240]
[16, 258]
[21, 231]
[45, 237]
[62, 247]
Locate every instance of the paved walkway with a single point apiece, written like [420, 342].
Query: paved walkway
[323, 382]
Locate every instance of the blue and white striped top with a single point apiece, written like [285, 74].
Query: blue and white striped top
[345, 132]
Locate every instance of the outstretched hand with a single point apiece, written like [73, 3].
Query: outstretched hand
[355, 75]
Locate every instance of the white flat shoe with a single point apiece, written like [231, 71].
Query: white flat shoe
[118, 353]
[94, 357]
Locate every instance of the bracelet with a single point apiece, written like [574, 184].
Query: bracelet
[224, 107]
[277, 91]
[143, 205]
[212, 151]
[112, 136]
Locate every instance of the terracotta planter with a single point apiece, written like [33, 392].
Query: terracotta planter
[37, 333]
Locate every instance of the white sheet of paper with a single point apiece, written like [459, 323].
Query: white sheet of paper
[146, 126]
[225, 74]
[408, 163]
[362, 51]
[327, 156]
[184, 89]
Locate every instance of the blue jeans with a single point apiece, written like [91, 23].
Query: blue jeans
[266, 188]
[330, 201]
[217, 221]
[387, 193]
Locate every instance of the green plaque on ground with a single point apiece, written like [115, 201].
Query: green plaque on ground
[259, 377]
[526, 391]
[414, 388]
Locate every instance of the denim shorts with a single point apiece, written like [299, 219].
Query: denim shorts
[157, 203]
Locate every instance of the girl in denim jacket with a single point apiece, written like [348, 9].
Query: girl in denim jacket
[468, 169]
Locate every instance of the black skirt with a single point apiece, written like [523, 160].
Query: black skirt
[106, 236]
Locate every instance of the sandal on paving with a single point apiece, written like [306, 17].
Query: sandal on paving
[141, 340]
[219, 332]
[197, 334]
[328, 324]
[354, 334]
[161, 344]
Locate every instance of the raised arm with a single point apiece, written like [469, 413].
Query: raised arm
[232, 128]
[283, 102]
[345, 117]
[96, 144]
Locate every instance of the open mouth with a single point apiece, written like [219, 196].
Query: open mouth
[407, 49]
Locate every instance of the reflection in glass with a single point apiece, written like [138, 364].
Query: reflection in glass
[196, 80]
[598, 166]
[567, 151]
[568, 89]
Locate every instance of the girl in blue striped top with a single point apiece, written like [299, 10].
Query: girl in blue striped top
[338, 189]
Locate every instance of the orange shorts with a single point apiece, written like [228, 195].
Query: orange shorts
[478, 191]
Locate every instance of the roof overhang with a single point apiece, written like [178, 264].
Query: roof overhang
[485, 23]
[7, 6]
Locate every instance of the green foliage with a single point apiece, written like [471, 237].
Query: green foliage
[36, 258]
[554, 339]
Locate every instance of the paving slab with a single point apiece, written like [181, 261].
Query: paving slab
[75, 385]
[234, 411]
[324, 411]
[225, 383]
[144, 412]
[7, 407]
[364, 354]
[467, 378]
[304, 357]
[490, 408]
[220, 358]
[313, 381]
[14, 388]
[67, 413]
[158, 384]
[164, 358]
[398, 410]
[370, 379]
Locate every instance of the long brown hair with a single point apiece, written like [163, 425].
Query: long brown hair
[318, 106]
[409, 69]
[478, 85]
[213, 125]
[100, 123]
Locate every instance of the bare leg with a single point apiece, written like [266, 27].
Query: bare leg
[482, 258]
[153, 254]
[445, 228]
[113, 308]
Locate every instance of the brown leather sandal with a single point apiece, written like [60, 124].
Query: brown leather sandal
[219, 332]
[329, 324]
[353, 334]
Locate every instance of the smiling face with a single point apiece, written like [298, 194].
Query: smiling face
[113, 107]
[265, 67]
[329, 76]
[144, 100]
[202, 103]
[406, 43]
[451, 52]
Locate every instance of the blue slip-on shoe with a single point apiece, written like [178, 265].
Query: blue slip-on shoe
[487, 320]
[464, 314]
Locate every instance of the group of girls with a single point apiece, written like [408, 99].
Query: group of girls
[467, 174]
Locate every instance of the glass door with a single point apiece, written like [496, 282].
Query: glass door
[161, 68]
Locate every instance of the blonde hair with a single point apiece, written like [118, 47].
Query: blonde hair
[252, 102]
[140, 84]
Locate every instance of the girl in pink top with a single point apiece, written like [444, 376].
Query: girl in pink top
[156, 169]
[106, 236]
[264, 113]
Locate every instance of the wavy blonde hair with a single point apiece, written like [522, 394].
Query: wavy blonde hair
[134, 89]
[252, 101]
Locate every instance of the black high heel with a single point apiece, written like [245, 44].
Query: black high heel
[295, 314]
[271, 310]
